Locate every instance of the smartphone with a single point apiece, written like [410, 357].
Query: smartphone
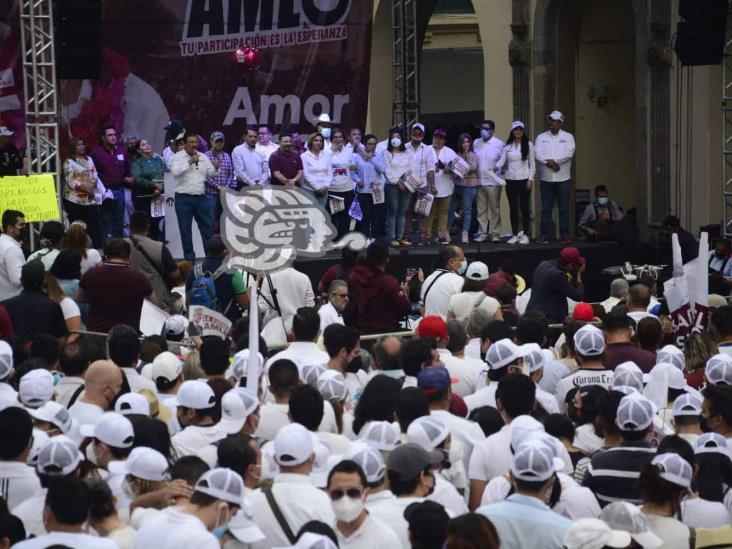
[411, 271]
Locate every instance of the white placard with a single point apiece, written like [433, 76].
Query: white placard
[377, 193]
[209, 322]
[157, 206]
[424, 204]
[459, 167]
[152, 319]
[337, 204]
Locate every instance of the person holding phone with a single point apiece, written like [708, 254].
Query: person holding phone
[554, 281]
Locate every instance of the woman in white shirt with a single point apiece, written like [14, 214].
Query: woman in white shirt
[317, 169]
[76, 240]
[81, 189]
[69, 307]
[518, 159]
[396, 163]
[341, 188]
[472, 295]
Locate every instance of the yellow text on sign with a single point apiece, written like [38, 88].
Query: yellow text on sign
[34, 195]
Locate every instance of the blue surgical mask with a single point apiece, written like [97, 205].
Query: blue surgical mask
[463, 267]
[219, 532]
[325, 132]
[485, 134]
[603, 200]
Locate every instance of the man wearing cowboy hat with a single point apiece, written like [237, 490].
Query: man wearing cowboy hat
[553, 153]
[324, 126]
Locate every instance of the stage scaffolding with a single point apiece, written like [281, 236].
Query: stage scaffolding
[405, 62]
[727, 127]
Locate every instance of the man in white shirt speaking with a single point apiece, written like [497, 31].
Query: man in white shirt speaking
[190, 171]
[250, 165]
[553, 153]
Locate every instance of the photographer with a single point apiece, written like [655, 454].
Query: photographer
[600, 216]
[556, 280]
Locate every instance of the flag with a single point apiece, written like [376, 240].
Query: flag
[355, 210]
[253, 373]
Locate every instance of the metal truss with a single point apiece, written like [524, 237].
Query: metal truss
[405, 62]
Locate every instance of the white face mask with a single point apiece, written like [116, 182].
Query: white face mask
[127, 490]
[396, 142]
[347, 509]
[91, 454]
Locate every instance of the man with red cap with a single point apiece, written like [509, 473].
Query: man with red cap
[554, 281]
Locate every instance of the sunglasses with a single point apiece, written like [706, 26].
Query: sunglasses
[352, 493]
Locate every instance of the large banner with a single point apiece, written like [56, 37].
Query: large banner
[176, 58]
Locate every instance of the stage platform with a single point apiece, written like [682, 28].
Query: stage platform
[599, 255]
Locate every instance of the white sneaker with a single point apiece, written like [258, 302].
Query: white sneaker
[495, 238]
[514, 239]
[466, 237]
[523, 239]
[481, 238]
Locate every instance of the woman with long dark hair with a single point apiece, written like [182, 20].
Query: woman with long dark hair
[466, 187]
[518, 158]
[83, 192]
[377, 402]
[397, 162]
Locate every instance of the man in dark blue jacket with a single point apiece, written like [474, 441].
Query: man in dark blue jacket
[554, 281]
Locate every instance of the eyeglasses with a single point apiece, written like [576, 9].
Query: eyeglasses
[353, 493]
[344, 296]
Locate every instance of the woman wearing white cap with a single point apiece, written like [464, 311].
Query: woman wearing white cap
[472, 296]
[663, 484]
[518, 158]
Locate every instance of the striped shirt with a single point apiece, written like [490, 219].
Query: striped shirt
[613, 473]
[18, 482]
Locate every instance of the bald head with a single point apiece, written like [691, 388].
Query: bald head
[386, 352]
[640, 297]
[103, 382]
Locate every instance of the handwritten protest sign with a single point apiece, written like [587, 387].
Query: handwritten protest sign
[34, 195]
[209, 322]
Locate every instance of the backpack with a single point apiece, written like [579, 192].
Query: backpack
[203, 287]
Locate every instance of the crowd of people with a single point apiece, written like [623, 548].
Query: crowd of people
[501, 417]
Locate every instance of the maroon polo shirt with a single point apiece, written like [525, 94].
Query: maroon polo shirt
[617, 353]
[287, 164]
[112, 167]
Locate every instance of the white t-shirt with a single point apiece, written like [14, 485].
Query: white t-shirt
[702, 513]
[274, 416]
[372, 534]
[675, 534]
[67, 539]
[173, 529]
[85, 413]
[328, 315]
[18, 482]
[31, 513]
[586, 440]
[467, 432]
[444, 178]
[547, 401]
[69, 308]
[582, 378]
[446, 495]
[485, 396]
[462, 304]
[446, 284]
[124, 537]
[193, 439]
[92, 259]
[467, 373]
[392, 513]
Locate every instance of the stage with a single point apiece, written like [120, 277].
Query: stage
[599, 255]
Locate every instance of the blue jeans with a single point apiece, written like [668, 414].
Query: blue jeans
[118, 214]
[467, 196]
[398, 202]
[214, 204]
[321, 199]
[187, 207]
[550, 192]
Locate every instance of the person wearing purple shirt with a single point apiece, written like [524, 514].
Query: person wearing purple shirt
[224, 177]
[285, 164]
[113, 168]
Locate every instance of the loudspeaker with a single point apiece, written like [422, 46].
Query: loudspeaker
[700, 36]
[78, 38]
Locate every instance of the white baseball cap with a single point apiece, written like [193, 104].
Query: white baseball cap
[240, 364]
[672, 354]
[556, 115]
[625, 389]
[132, 403]
[321, 467]
[477, 270]
[222, 483]
[5, 132]
[309, 540]
[144, 463]
[523, 426]
[533, 461]
[635, 412]
[592, 533]
[310, 373]
[629, 374]
[688, 404]
[369, 459]
[589, 341]
[293, 445]
[719, 369]
[56, 414]
[332, 385]
[166, 365]
[6, 359]
[534, 356]
[236, 405]
[502, 353]
[428, 432]
[712, 443]
[243, 527]
[35, 388]
[58, 456]
[195, 394]
[175, 326]
[417, 125]
[621, 515]
[517, 124]
[39, 439]
[382, 435]
[112, 429]
[674, 469]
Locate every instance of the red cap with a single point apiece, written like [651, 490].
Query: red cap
[572, 255]
[583, 311]
[458, 406]
[432, 327]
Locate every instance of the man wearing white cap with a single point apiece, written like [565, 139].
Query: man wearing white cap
[58, 457]
[523, 519]
[589, 345]
[613, 474]
[553, 152]
[625, 516]
[217, 497]
[687, 411]
[35, 388]
[54, 419]
[423, 159]
[488, 148]
[503, 357]
[167, 374]
[7, 393]
[592, 533]
[112, 439]
[292, 494]
[372, 463]
[196, 402]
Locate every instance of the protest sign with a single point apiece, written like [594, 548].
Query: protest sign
[209, 322]
[157, 206]
[152, 319]
[34, 195]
